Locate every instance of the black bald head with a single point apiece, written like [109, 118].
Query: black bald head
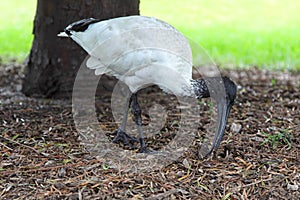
[216, 86]
[81, 25]
[230, 88]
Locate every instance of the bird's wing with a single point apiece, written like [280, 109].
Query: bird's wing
[96, 64]
[160, 74]
[122, 35]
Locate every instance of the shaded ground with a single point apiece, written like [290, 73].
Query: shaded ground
[41, 157]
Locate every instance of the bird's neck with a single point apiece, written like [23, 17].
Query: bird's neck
[199, 88]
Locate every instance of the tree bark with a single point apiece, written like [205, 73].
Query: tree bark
[53, 62]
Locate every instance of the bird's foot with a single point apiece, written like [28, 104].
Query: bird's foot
[146, 150]
[122, 137]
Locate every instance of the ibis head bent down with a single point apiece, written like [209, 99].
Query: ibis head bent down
[143, 51]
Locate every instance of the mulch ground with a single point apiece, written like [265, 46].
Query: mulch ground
[259, 157]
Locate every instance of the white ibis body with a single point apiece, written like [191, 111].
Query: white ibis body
[143, 51]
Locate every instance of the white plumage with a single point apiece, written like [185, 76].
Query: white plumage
[136, 49]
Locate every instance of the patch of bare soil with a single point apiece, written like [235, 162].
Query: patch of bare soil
[41, 157]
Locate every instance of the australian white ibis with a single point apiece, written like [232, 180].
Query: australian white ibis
[143, 51]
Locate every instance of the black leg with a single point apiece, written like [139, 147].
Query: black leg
[121, 135]
[125, 114]
[136, 109]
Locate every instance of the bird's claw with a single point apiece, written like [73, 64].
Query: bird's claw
[146, 150]
[121, 136]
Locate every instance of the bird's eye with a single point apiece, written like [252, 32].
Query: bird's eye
[68, 32]
[82, 25]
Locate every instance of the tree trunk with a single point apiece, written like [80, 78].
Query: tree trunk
[53, 62]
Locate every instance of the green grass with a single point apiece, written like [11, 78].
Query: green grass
[239, 33]
[264, 33]
[277, 138]
[16, 24]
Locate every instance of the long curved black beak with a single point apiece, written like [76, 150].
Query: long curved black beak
[223, 109]
[223, 92]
